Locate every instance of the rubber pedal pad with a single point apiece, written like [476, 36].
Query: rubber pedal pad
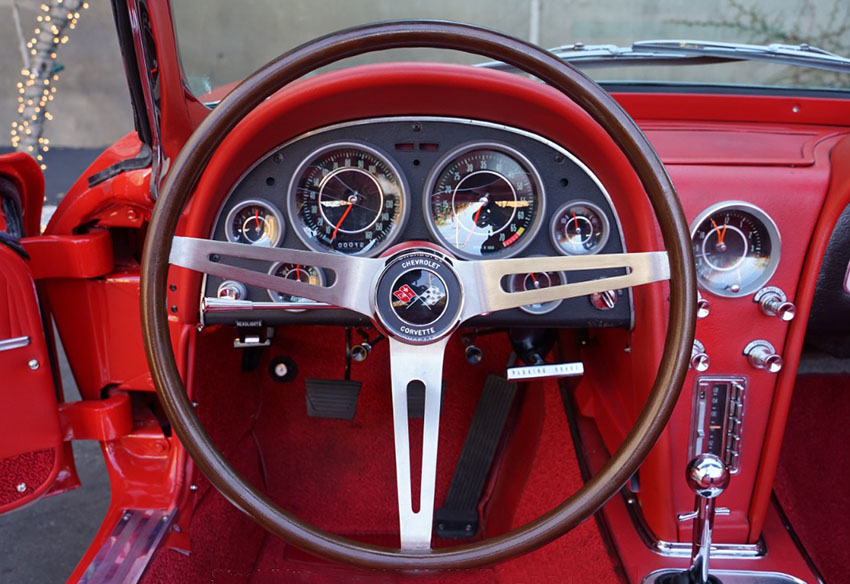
[458, 517]
[332, 398]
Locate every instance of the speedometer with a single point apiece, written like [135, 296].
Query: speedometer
[348, 198]
[736, 246]
[484, 200]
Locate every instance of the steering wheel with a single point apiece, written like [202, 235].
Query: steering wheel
[466, 289]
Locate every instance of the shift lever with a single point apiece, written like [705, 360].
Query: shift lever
[707, 476]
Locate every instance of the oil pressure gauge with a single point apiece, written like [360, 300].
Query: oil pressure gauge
[255, 222]
[737, 248]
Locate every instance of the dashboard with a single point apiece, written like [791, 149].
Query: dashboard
[476, 189]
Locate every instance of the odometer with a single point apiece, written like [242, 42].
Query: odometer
[737, 248]
[348, 198]
[484, 200]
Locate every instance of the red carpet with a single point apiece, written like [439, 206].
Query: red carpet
[340, 474]
[814, 472]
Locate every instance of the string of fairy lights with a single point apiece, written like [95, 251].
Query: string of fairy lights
[40, 74]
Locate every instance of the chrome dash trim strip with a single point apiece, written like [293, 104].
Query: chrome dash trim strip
[14, 343]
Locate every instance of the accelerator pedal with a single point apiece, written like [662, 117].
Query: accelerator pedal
[332, 398]
[458, 517]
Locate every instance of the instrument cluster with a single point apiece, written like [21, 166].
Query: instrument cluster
[479, 190]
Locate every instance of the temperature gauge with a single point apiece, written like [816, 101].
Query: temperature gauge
[255, 222]
[579, 228]
[299, 273]
[537, 281]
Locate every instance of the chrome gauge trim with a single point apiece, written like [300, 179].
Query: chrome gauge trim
[295, 306]
[291, 205]
[772, 233]
[603, 216]
[247, 203]
[440, 166]
[430, 119]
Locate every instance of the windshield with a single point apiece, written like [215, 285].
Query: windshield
[222, 41]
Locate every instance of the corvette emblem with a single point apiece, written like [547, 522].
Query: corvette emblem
[419, 297]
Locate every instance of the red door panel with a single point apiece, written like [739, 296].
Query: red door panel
[30, 432]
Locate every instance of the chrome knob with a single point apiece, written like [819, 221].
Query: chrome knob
[700, 360]
[707, 476]
[232, 290]
[773, 302]
[360, 352]
[604, 300]
[762, 355]
[703, 306]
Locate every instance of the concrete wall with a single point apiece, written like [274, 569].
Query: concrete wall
[92, 103]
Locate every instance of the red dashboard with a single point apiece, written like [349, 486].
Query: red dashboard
[787, 156]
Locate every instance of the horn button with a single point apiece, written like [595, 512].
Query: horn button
[419, 297]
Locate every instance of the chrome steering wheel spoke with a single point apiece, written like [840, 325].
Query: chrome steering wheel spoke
[484, 292]
[410, 364]
[354, 277]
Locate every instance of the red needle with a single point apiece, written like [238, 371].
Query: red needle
[341, 219]
[257, 218]
[720, 234]
[533, 279]
[298, 271]
[474, 225]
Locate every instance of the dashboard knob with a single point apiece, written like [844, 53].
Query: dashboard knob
[232, 290]
[606, 300]
[762, 355]
[703, 306]
[700, 360]
[773, 302]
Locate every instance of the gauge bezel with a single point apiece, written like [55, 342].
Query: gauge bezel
[299, 306]
[606, 224]
[228, 222]
[772, 233]
[550, 306]
[441, 165]
[404, 197]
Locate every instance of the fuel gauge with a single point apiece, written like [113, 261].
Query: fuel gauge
[537, 281]
[255, 222]
[579, 228]
[296, 272]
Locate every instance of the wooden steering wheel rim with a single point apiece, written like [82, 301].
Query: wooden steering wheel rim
[189, 166]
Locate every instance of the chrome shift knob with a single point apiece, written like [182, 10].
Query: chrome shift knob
[707, 475]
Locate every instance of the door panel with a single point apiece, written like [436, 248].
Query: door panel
[30, 431]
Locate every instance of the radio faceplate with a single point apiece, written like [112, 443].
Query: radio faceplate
[718, 416]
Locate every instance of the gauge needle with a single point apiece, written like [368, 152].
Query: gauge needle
[257, 219]
[341, 219]
[720, 234]
[298, 271]
[474, 224]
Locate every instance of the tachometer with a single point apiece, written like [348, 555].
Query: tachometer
[737, 248]
[348, 198]
[255, 222]
[484, 200]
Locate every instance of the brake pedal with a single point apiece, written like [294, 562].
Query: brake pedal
[458, 517]
[332, 398]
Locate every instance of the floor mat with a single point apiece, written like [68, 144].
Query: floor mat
[814, 471]
[340, 475]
